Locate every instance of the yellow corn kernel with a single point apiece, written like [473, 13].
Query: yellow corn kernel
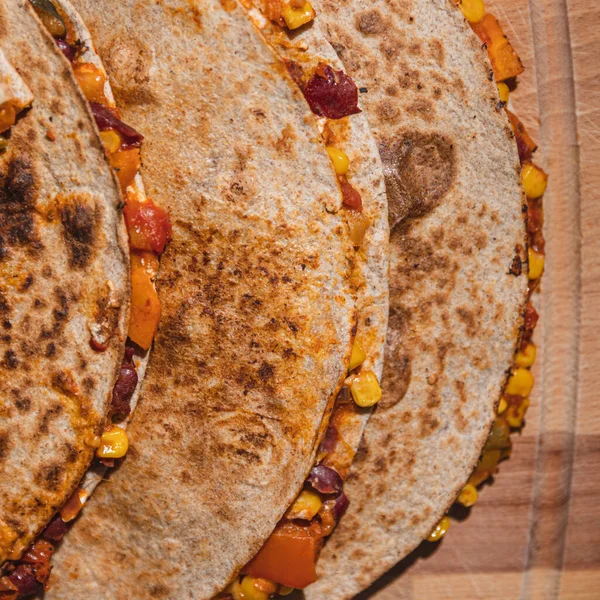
[340, 160]
[526, 357]
[285, 590]
[502, 406]
[250, 591]
[296, 17]
[111, 140]
[306, 506]
[235, 590]
[440, 530]
[516, 413]
[357, 357]
[473, 10]
[534, 181]
[113, 443]
[468, 495]
[520, 383]
[536, 264]
[503, 91]
[365, 389]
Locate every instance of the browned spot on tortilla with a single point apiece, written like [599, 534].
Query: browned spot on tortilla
[388, 110]
[468, 317]
[516, 268]
[5, 445]
[284, 143]
[18, 192]
[419, 170]
[79, 221]
[422, 109]
[437, 52]
[391, 47]
[370, 22]
[228, 5]
[49, 477]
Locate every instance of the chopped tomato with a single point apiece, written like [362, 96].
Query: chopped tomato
[505, 61]
[145, 309]
[91, 81]
[525, 143]
[8, 114]
[287, 557]
[148, 225]
[126, 163]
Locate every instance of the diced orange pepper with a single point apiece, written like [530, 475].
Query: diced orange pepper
[145, 309]
[525, 143]
[91, 81]
[126, 163]
[287, 557]
[148, 225]
[147, 261]
[8, 115]
[505, 61]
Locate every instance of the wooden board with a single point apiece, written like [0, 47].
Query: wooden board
[535, 533]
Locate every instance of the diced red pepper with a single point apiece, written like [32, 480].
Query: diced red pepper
[148, 225]
[350, 196]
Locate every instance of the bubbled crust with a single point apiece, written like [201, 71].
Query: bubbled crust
[456, 221]
[63, 274]
[257, 306]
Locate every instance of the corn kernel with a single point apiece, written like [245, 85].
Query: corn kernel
[473, 10]
[306, 506]
[440, 530]
[235, 590]
[340, 160]
[357, 357]
[536, 264]
[113, 443]
[526, 357]
[520, 383]
[516, 413]
[111, 140]
[285, 590]
[250, 591]
[468, 495]
[503, 91]
[365, 389]
[296, 17]
[502, 406]
[534, 181]
[91, 81]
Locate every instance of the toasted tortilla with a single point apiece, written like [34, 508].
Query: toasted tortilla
[259, 304]
[458, 274]
[64, 278]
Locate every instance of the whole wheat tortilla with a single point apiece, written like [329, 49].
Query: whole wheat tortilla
[258, 309]
[458, 276]
[64, 277]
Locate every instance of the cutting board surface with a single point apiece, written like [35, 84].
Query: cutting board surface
[535, 532]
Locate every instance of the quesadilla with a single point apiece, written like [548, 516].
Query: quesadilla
[64, 235]
[461, 274]
[268, 277]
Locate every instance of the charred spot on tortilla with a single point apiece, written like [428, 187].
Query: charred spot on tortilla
[79, 221]
[18, 192]
[419, 171]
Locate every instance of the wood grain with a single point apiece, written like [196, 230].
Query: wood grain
[535, 533]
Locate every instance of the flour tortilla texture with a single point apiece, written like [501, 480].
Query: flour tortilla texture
[457, 227]
[64, 279]
[258, 305]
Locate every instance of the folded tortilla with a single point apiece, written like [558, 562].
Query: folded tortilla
[260, 294]
[458, 277]
[64, 283]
